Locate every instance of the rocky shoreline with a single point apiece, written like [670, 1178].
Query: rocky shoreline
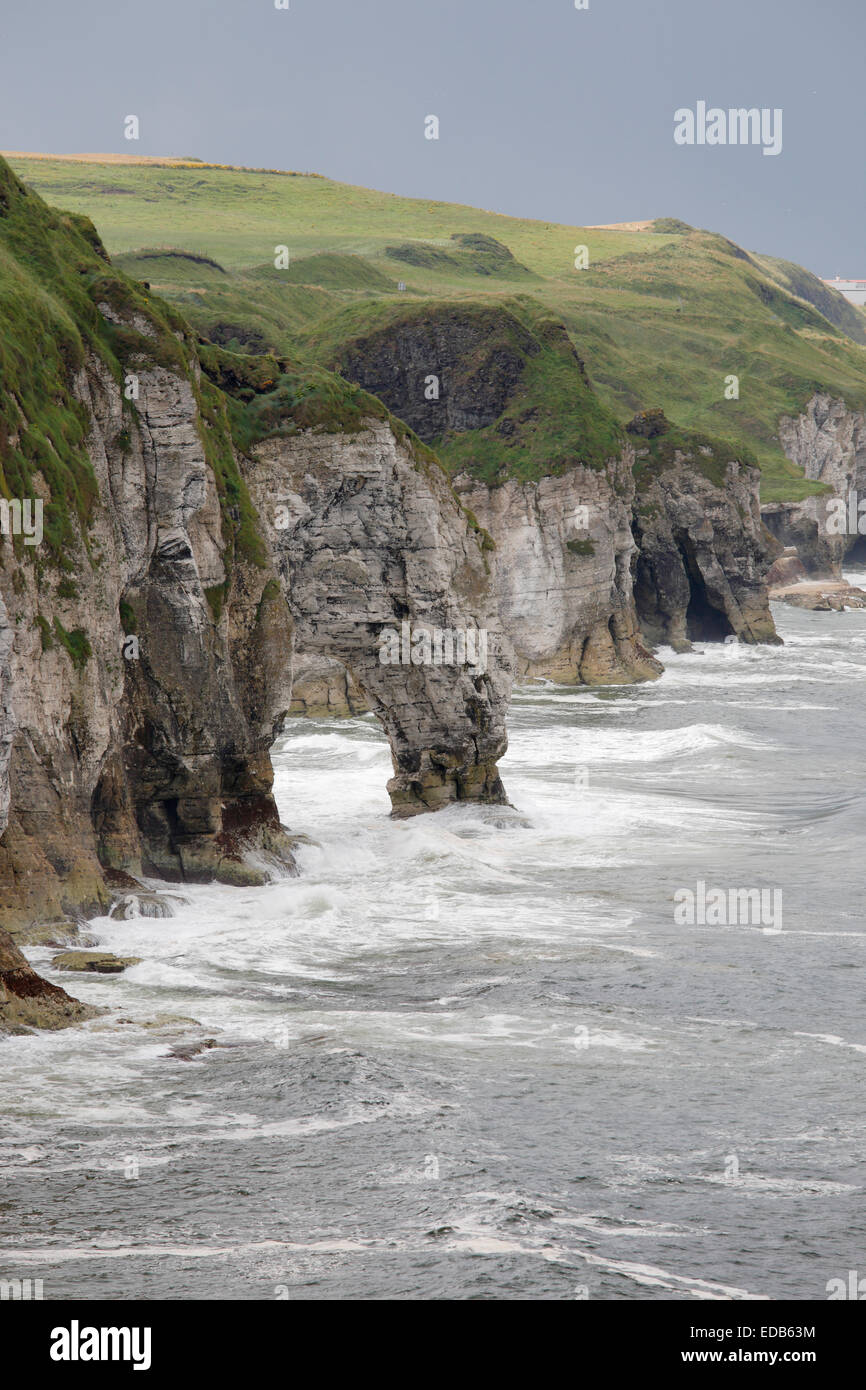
[820, 596]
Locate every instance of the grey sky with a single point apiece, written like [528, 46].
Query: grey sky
[545, 111]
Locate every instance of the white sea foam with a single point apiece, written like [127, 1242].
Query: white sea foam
[477, 965]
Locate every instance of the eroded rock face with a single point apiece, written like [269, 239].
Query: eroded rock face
[562, 568]
[7, 722]
[490, 380]
[828, 441]
[367, 539]
[703, 556]
[800, 528]
[154, 757]
[159, 763]
[786, 569]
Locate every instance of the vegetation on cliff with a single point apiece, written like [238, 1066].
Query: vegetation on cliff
[494, 386]
[659, 445]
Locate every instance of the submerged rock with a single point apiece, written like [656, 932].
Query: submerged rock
[175, 1023]
[96, 962]
[185, 1052]
[144, 904]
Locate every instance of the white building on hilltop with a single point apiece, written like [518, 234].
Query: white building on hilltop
[853, 290]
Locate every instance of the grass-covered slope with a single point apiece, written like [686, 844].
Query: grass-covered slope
[669, 330]
[661, 318]
[238, 216]
[834, 306]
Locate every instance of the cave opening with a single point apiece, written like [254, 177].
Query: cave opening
[856, 554]
[705, 621]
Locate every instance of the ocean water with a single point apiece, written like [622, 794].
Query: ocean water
[475, 1055]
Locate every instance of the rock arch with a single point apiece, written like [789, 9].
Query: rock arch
[370, 540]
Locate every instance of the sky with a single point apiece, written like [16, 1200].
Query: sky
[544, 110]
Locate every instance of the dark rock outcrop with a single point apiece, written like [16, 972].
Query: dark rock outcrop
[476, 357]
[27, 1001]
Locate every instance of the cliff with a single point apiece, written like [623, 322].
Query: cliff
[703, 552]
[562, 562]
[146, 637]
[368, 543]
[598, 533]
[141, 715]
[501, 393]
[211, 520]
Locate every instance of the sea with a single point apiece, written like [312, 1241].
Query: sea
[499, 1053]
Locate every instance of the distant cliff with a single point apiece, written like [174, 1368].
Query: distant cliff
[828, 441]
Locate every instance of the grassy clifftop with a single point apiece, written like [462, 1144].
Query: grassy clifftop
[663, 316]
[238, 216]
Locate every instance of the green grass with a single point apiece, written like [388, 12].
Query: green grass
[128, 619]
[238, 217]
[75, 643]
[661, 318]
[47, 322]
